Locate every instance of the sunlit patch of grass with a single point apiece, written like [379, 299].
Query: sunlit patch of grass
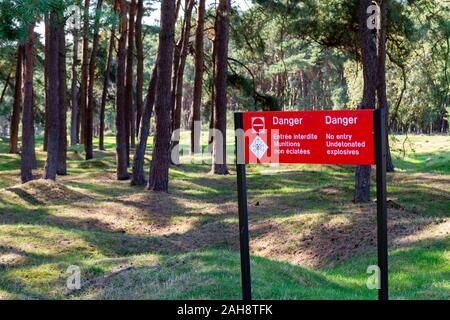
[422, 153]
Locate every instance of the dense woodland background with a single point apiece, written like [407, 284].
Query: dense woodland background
[74, 70]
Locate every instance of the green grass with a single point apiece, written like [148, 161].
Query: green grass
[184, 245]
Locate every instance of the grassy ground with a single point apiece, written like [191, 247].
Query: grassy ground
[308, 240]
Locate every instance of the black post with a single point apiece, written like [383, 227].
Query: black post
[382, 234]
[243, 213]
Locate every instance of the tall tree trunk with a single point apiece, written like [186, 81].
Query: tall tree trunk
[17, 103]
[62, 87]
[381, 90]
[47, 39]
[51, 164]
[176, 61]
[74, 91]
[175, 64]
[138, 178]
[121, 128]
[140, 63]
[28, 158]
[159, 171]
[213, 94]
[368, 54]
[131, 129]
[5, 87]
[178, 89]
[219, 165]
[84, 71]
[89, 125]
[105, 92]
[198, 80]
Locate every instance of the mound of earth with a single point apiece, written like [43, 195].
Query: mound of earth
[326, 240]
[39, 192]
[93, 164]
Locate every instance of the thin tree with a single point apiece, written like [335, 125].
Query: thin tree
[369, 62]
[106, 77]
[198, 80]
[381, 89]
[84, 71]
[159, 171]
[62, 88]
[179, 73]
[51, 164]
[17, 103]
[47, 39]
[219, 165]
[74, 91]
[88, 125]
[213, 91]
[139, 63]
[28, 158]
[121, 132]
[5, 87]
[138, 178]
[130, 119]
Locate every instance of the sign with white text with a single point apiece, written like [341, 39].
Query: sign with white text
[320, 137]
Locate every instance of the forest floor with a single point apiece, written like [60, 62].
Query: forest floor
[308, 240]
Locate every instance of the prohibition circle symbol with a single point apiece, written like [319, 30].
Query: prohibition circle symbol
[258, 125]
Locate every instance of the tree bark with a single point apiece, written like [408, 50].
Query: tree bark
[51, 164]
[129, 81]
[159, 171]
[213, 93]
[62, 87]
[28, 158]
[89, 125]
[74, 91]
[198, 80]
[105, 92]
[140, 64]
[368, 55]
[381, 89]
[84, 72]
[138, 178]
[219, 165]
[47, 39]
[176, 62]
[5, 87]
[179, 75]
[17, 103]
[121, 128]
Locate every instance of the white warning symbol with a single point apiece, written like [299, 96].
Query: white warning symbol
[258, 125]
[258, 147]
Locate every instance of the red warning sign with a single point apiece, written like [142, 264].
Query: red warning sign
[320, 137]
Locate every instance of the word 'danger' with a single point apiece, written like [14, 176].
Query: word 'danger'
[320, 137]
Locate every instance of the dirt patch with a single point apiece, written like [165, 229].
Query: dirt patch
[439, 229]
[94, 164]
[324, 240]
[10, 257]
[329, 190]
[41, 192]
[10, 260]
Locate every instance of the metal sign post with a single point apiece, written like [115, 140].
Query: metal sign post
[377, 138]
[382, 238]
[243, 217]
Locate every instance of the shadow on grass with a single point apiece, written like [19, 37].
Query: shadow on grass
[213, 274]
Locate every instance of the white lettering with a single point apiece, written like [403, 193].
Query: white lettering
[287, 121]
[345, 121]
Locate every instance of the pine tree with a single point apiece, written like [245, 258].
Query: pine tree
[159, 171]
